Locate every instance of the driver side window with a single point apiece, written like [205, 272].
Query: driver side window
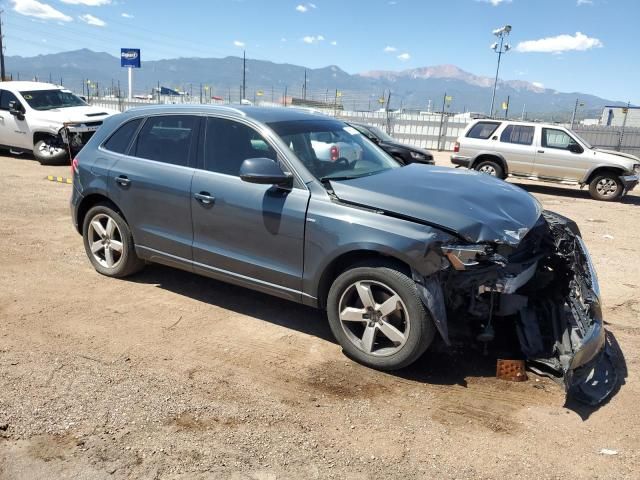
[5, 98]
[552, 138]
[229, 143]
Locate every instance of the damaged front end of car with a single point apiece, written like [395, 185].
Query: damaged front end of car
[537, 300]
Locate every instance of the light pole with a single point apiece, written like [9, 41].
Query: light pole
[499, 47]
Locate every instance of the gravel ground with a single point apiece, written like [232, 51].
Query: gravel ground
[169, 375]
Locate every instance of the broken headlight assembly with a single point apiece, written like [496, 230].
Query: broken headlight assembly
[468, 256]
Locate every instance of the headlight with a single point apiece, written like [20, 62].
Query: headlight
[463, 257]
[418, 156]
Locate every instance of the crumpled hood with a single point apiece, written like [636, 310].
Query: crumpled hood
[476, 206]
[74, 114]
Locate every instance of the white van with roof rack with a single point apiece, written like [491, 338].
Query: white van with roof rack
[547, 152]
[46, 119]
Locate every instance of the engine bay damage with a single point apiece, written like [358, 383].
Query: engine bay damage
[537, 301]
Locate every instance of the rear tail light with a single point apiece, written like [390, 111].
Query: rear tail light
[456, 147]
[74, 166]
[335, 153]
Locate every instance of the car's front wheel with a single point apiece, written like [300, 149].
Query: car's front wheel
[378, 318]
[48, 152]
[606, 186]
[109, 243]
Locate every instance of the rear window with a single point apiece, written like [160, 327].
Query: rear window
[520, 134]
[166, 139]
[482, 130]
[119, 141]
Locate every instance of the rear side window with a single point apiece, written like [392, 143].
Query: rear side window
[166, 139]
[482, 130]
[119, 141]
[520, 134]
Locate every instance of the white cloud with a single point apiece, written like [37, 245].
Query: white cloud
[33, 8]
[334, 43]
[91, 20]
[495, 3]
[312, 5]
[301, 8]
[404, 57]
[312, 39]
[126, 15]
[238, 43]
[88, 3]
[537, 84]
[390, 49]
[560, 43]
[584, 2]
[283, 39]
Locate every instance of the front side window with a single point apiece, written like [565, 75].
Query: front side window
[119, 141]
[330, 149]
[520, 134]
[50, 99]
[553, 138]
[482, 130]
[5, 98]
[166, 139]
[229, 143]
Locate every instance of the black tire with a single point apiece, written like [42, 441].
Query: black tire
[46, 155]
[490, 168]
[421, 329]
[606, 187]
[124, 263]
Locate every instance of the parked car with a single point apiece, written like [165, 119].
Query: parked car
[405, 154]
[396, 256]
[333, 147]
[45, 119]
[541, 151]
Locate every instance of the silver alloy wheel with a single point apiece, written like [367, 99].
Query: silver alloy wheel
[50, 150]
[488, 169]
[374, 318]
[105, 240]
[607, 187]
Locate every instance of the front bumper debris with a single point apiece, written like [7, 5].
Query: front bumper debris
[629, 182]
[538, 301]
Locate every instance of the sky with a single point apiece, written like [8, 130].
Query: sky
[585, 46]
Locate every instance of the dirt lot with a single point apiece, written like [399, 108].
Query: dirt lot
[169, 375]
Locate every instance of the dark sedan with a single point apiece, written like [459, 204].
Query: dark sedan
[405, 154]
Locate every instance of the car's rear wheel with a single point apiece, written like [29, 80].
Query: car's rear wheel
[109, 243]
[48, 152]
[490, 168]
[606, 186]
[378, 318]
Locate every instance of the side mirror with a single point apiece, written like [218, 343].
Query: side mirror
[15, 109]
[264, 171]
[575, 148]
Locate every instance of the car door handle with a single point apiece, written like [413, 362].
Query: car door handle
[123, 181]
[540, 151]
[204, 198]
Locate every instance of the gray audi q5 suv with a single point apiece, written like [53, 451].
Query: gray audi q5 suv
[396, 255]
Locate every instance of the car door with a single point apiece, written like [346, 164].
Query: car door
[14, 131]
[152, 186]
[554, 157]
[516, 146]
[243, 232]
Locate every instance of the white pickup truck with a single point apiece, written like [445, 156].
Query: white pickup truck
[45, 119]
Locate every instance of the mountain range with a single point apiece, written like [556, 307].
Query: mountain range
[418, 88]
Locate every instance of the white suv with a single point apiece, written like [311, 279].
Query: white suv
[46, 119]
[548, 152]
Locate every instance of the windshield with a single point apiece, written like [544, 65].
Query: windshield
[382, 135]
[584, 142]
[49, 99]
[332, 150]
